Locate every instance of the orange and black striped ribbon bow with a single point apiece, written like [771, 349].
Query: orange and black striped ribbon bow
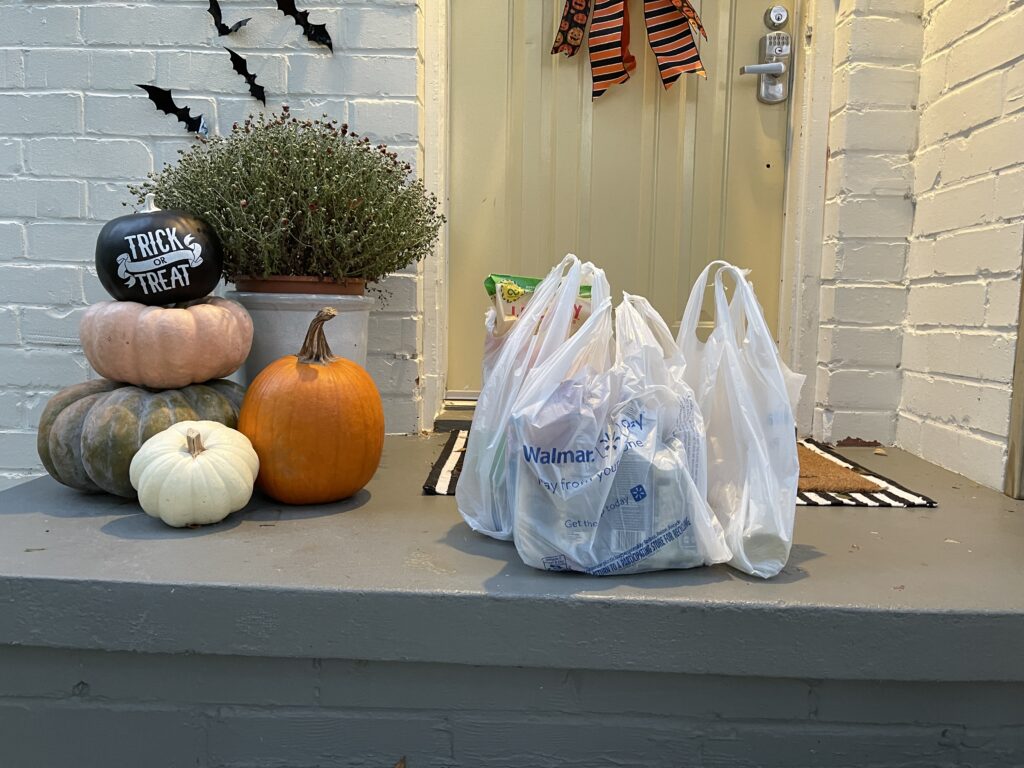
[671, 25]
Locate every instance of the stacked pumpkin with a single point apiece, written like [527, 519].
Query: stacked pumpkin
[160, 425]
[163, 347]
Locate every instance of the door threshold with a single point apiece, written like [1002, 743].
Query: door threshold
[460, 400]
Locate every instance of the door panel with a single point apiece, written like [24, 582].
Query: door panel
[649, 184]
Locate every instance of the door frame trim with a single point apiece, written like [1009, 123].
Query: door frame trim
[433, 156]
[806, 174]
[803, 227]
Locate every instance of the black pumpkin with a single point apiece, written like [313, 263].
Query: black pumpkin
[158, 257]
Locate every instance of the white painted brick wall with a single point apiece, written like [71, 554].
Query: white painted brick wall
[868, 218]
[967, 245]
[74, 130]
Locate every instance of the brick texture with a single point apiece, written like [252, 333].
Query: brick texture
[924, 230]
[869, 218]
[74, 130]
[134, 709]
[963, 276]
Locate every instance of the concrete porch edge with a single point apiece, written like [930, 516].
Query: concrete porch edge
[911, 595]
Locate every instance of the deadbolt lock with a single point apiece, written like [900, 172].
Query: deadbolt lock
[776, 17]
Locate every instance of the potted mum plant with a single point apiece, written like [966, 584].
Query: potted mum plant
[309, 213]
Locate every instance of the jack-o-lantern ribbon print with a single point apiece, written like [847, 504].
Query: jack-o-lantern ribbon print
[684, 7]
[671, 29]
[572, 29]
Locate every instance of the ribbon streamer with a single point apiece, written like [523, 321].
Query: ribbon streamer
[670, 33]
[572, 29]
[684, 7]
[610, 59]
[671, 29]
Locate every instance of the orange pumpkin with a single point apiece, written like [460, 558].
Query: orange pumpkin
[316, 422]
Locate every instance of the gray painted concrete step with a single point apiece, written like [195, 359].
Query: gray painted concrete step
[351, 634]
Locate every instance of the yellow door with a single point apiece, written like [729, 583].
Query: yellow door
[648, 184]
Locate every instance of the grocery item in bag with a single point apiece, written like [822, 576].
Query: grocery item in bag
[510, 295]
[543, 327]
[747, 396]
[606, 456]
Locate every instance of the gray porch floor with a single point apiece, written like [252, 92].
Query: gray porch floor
[963, 559]
[931, 599]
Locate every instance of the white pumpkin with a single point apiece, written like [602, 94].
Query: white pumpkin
[194, 473]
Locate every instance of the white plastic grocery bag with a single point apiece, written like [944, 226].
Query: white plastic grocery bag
[746, 395]
[494, 338]
[606, 456]
[482, 491]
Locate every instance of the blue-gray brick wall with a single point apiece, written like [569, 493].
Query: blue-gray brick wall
[94, 709]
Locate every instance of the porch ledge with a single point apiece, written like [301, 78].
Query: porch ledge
[879, 594]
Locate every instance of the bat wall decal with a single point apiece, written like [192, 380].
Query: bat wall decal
[218, 20]
[165, 103]
[316, 33]
[241, 66]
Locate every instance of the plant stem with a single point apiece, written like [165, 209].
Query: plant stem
[315, 349]
[195, 442]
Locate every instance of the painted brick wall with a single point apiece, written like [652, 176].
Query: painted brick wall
[964, 266]
[868, 218]
[92, 709]
[74, 130]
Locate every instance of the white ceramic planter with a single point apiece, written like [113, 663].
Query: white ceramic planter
[280, 321]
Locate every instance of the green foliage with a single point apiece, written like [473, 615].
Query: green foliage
[301, 197]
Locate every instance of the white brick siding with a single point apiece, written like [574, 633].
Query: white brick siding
[74, 130]
[868, 218]
[963, 272]
[924, 229]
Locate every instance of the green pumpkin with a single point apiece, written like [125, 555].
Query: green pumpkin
[89, 433]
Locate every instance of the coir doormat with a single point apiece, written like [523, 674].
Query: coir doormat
[830, 480]
[826, 478]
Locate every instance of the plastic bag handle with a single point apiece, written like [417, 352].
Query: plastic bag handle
[743, 320]
[655, 325]
[547, 288]
[744, 311]
[600, 289]
[560, 314]
[687, 340]
[591, 345]
[634, 331]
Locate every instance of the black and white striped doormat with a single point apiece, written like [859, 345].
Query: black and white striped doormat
[444, 476]
[445, 472]
[889, 494]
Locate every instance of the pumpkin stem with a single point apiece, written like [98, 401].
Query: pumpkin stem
[195, 442]
[315, 349]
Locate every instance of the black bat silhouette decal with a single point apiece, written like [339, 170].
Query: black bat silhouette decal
[241, 66]
[165, 103]
[316, 33]
[218, 20]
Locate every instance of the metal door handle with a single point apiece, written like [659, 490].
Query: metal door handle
[771, 68]
[774, 52]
